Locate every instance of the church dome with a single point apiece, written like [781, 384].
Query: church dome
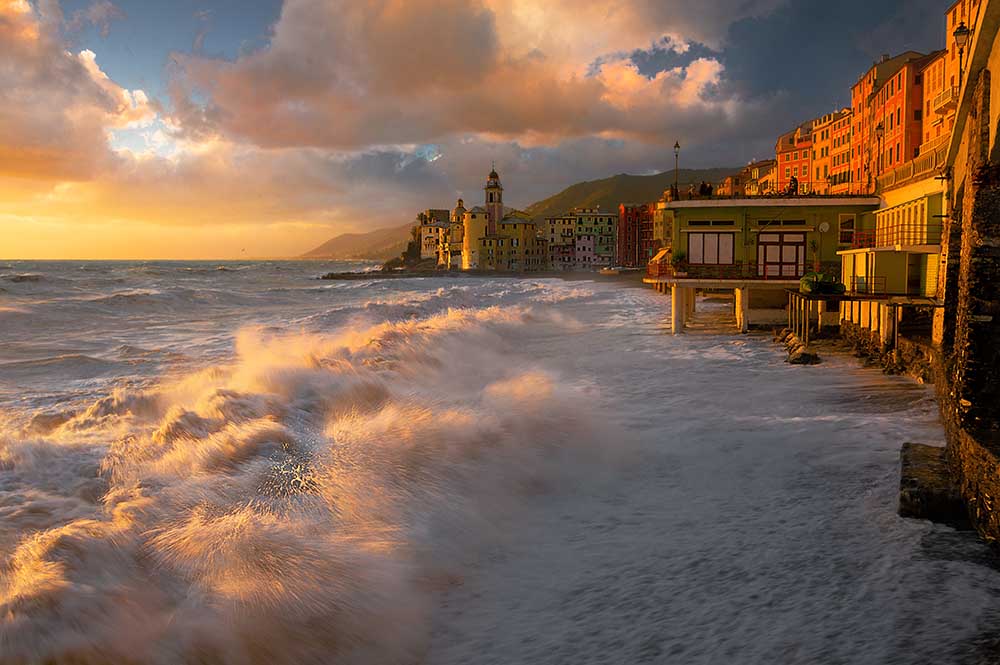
[494, 175]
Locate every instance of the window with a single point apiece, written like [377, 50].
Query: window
[919, 114]
[899, 116]
[711, 248]
[846, 229]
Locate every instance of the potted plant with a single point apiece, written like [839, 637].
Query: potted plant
[814, 247]
[678, 260]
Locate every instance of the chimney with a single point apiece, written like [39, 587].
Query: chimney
[885, 58]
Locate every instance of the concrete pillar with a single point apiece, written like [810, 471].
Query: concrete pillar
[677, 309]
[743, 298]
[689, 301]
[820, 310]
[886, 325]
[789, 311]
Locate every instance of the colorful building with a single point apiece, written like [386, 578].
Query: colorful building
[823, 149]
[793, 152]
[431, 223]
[561, 234]
[756, 247]
[593, 240]
[887, 110]
[840, 154]
[450, 239]
[635, 234]
[761, 178]
[499, 238]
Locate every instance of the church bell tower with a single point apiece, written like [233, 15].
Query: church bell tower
[494, 201]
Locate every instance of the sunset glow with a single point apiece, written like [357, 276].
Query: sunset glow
[128, 132]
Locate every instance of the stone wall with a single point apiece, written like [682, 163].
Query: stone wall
[969, 387]
[910, 358]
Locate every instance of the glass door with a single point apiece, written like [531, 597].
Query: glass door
[781, 255]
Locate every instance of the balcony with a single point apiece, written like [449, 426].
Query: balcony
[736, 271]
[901, 234]
[925, 166]
[946, 100]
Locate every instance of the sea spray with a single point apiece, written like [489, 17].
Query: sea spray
[300, 504]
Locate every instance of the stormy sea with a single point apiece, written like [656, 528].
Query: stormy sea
[240, 463]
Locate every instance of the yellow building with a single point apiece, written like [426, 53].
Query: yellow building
[450, 240]
[499, 238]
[823, 149]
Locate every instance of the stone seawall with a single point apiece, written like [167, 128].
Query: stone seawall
[911, 358]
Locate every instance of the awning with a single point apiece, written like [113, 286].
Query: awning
[660, 256]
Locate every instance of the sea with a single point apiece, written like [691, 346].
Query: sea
[239, 462]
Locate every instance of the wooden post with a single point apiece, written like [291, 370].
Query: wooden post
[676, 309]
[744, 310]
[805, 311]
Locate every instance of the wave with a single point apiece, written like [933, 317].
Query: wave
[21, 278]
[287, 506]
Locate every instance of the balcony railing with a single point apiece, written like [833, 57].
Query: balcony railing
[946, 100]
[903, 234]
[918, 168]
[867, 285]
[738, 271]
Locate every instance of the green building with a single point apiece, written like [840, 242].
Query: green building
[758, 247]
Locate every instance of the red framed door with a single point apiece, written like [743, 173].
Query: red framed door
[781, 255]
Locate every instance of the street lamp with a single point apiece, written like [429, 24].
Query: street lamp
[879, 133]
[961, 35]
[677, 163]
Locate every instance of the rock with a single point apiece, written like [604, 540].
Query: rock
[926, 487]
[801, 356]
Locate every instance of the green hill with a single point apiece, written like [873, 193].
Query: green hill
[610, 192]
[379, 245]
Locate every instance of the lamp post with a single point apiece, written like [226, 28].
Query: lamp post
[677, 163]
[961, 35]
[879, 133]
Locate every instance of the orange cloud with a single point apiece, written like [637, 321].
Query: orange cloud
[319, 132]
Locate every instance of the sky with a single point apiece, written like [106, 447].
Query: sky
[213, 129]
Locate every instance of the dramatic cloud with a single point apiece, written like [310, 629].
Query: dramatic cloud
[350, 114]
[346, 75]
[55, 107]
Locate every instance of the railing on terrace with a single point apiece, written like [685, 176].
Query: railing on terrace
[867, 285]
[918, 168]
[738, 271]
[901, 233]
[946, 99]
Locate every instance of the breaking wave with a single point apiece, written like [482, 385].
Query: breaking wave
[302, 503]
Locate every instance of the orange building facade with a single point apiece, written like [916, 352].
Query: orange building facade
[794, 154]
[887, 105]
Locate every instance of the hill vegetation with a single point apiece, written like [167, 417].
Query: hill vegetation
[608, 193]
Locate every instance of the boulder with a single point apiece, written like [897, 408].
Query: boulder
[926, 487]
[802, 356]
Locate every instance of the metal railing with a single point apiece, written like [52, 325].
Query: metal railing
[946, 99]
[918, 168]
[750, 270]
[860, 285]
[901, 233]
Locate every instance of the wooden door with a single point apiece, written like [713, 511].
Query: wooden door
[781, 255]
